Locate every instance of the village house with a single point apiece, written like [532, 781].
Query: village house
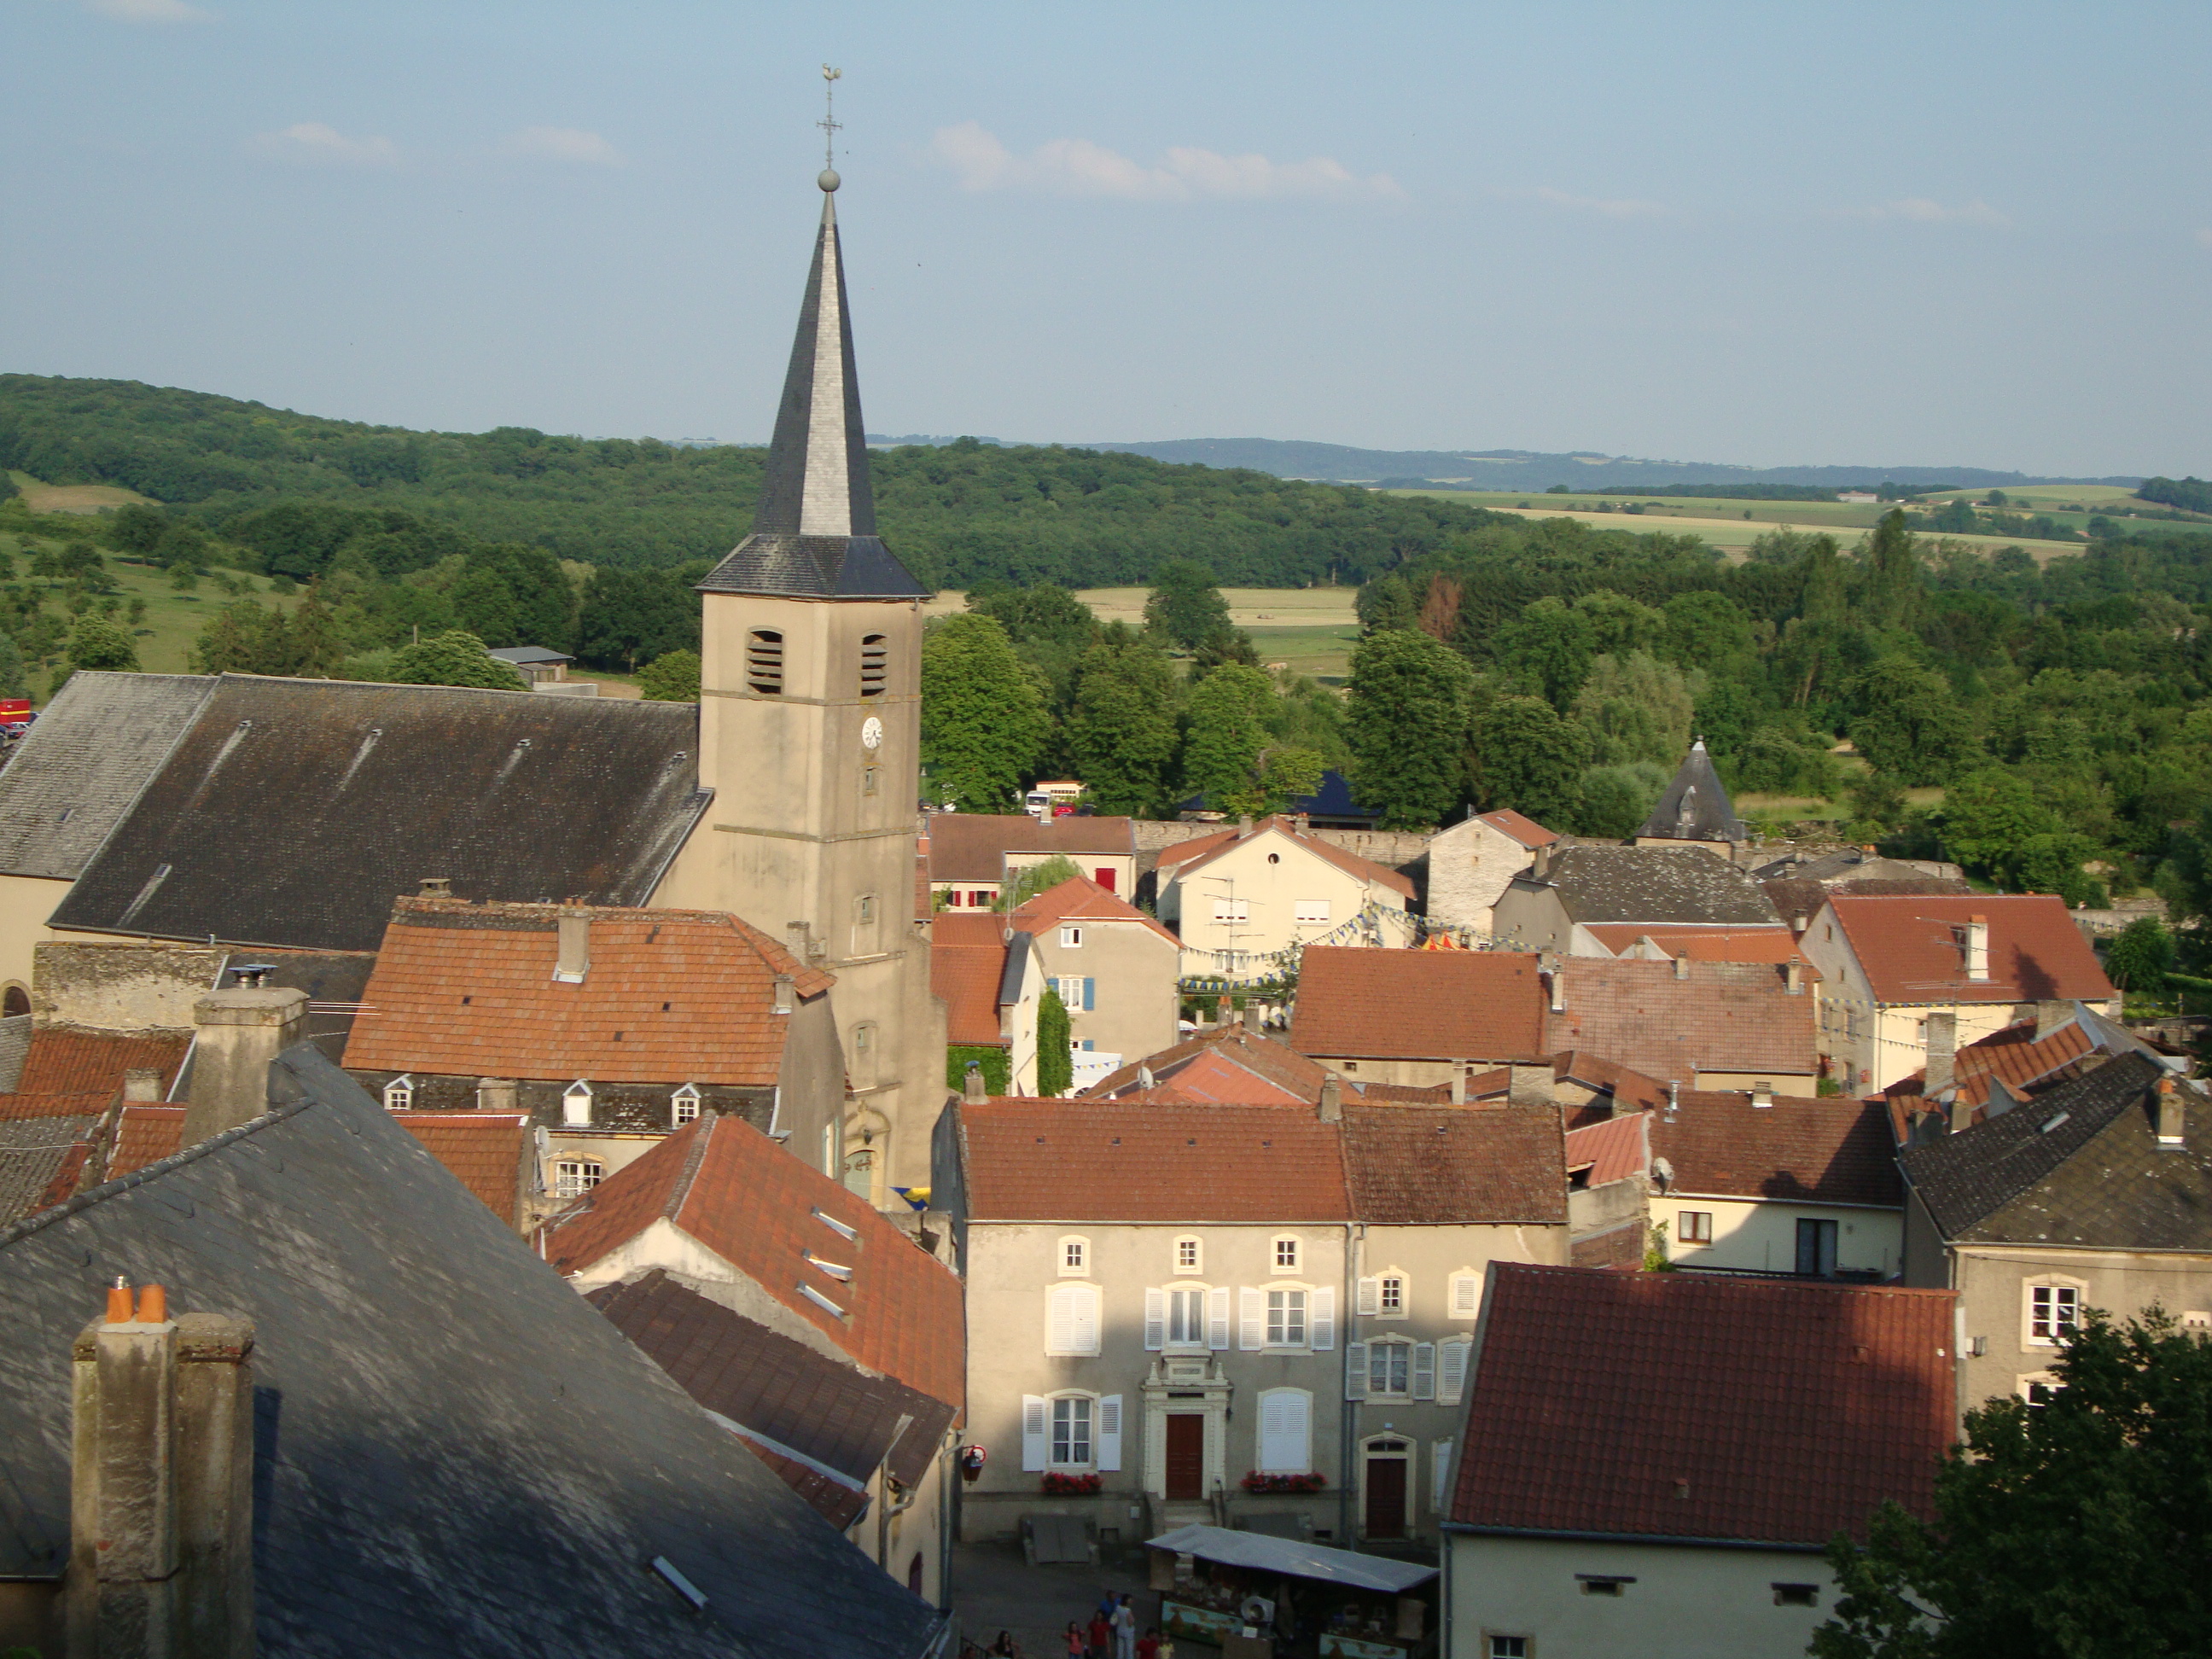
[1962, 1086]
[1472, 862]
[1887, 965]
[1235, 1064]
[1243, 900]
[1724, 1025]
[1261, 1312]
[608, 1027]
[1638, 941]
[746, 1276]
[1551, 905]
[1421, 1017]
[1676, 1496]
[2094, 1193]
[974, 857]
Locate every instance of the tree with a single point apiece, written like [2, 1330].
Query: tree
[1634, 707]
[135, 529]
[314, 646]
[14, 682]
[1184, 607]
[1055, 1061]
[1989, 816]
[2073, 1527]
[1406, 713]
[1226, 735]
[1619, 624]
[1121, 726]
[2140, 958]
[1616, 799]
[453, 658]
[673, 677]
[1910, 722]
[241, 638]
[1878, 803]
[983, 719]
[1549, 646]
[1046, 613]
[98, 643]
[1527, 758]
[1893, 569]
[1040, 877]
[630, 617]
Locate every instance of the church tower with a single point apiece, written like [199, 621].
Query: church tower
[810, 731]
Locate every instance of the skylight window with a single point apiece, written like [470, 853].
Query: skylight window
[835, 1269]
[821, 1300]
[836, 1226]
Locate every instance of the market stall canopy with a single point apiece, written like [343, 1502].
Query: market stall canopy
[1263, 1554]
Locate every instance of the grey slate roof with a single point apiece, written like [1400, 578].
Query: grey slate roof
[14, 1045]
[1652, 883]
[456, 1454]
[1696, 806]
[814, 530]
[84, 763]
[31, 1152]
[531, 653]
[294, 811]
[2079, 1165]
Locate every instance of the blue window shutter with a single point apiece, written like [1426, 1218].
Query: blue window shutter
[1090, 994]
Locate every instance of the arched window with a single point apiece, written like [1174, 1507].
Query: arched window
[576, 1104]
[683, 1105]
[399, 1094]
[575, 1177]
[875, 664]
[764, 662]
[14, 1001]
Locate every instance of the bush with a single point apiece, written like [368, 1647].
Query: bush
[673, 677]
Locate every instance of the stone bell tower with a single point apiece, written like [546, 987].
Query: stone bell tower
[810, 732]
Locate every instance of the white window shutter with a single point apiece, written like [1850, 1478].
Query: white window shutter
[1439, 1472]
[1060, 1320]
[1322, 1327]
[1034, 1446]
[1451, 1370]
[1466, 1296]
[1086, 1318]
[1156, 1320]
[1285, 1442]
[1109, 1433]
[1371, 1297]
[1251, 1319]
[1217, 1318]
[1425, 1370]
[1355, 1370]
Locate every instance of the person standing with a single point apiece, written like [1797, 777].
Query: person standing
[1101, 1635]
[1075, 1644]
[1125, 1630]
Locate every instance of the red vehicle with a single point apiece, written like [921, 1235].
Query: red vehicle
[15, 716]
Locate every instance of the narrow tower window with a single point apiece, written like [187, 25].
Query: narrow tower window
[875, 664]
[764, 662]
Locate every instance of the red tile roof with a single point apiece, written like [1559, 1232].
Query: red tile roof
[1414, 1166]
[65, 1060]
[740, 1195]
[13, 1107]
[1420, 1005]
[1720, 1016]
[670, 996]
[1079, 899]
[1787, 1414]
[146, 1134]
[1192, 855]
[1632, 1089]
[1913, 949]
[488, 1152]
[1526, 831]
[1611, 1151]
[1705, 943]
[1819, 1149]
[1215, 1076]
[1274, 1072]
[2011, 1056]
[973, 845]
[967, 962]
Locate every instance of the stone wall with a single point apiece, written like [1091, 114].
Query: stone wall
[121, 987]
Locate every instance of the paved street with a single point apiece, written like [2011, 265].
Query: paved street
[993, 1591]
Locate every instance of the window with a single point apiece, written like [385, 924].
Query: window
[1287, 1255]
[1186, 1318]
[875, 664]
[1286, 1319]
[1451, 1368]
[863, 910]
[1074, 1256]
[1389, 1370]
[1601, 1584]
[1237, 910]
[1310, 910]
[1506, 1647]
[1070, 1433]
[399, 1094]
[1189, 1255]
[1286, 1437]
[2054, 1309]
[1816, 1249]
[1796, 1596]
[1071, 938]
[1077, 993]
[575, 1177]
[1071, 1320]
[868, 777]
[1694, 1226]
[684, 1104]
[2038, 1389]
[1466, 1295]
[576, 1103]
[1391, 1301]
[764, 662]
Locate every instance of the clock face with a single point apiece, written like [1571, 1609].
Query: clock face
[871, 732]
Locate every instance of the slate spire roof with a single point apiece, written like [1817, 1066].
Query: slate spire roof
[1696, 806]
[814, 531]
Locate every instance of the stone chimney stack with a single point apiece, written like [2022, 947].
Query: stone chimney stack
[141, 1087]
[1555, 977]
[574, 958]
[1683, 966]
[497, 1094]
[1942, 1054]
[161, 1478]
[1332, 1100]
[435, 887]
[1793, 977]
[1799, 923]
[1528, 1085]
[2049, 1016]
[1252, 1018]
[2172, 1116]
[1543, 861]
[1977, 950]
[973, 1090]
[785, 985]
[240, 1031]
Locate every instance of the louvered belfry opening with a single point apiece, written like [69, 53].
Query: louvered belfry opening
[875, 664]
[764, 662]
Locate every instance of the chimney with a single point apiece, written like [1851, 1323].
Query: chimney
[1243, 824]
[1528, 1085]
[1977, 948]
[141, 1086]
[435, 887]
[2049, 1016]
[2172, 1116]
[973, 1089]
[240, 1031]
[574, 960]
[1762, 1095]
[1542, 866]
[1332, 1099]
[1555, 979]
[1961, 1117]
[1683, 966]
[496, 1094]
[161, 1483]
[784, 984]
[794, 939]
[1458, 1083]
[1302, 822]
[1252, 1018]
[1799, 923]
[1942, 1054]
[1793, 977]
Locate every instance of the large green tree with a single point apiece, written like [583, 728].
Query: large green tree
[1407, 714]
[1230, 754]
[1184, 607]
[672, 678]
[453, 658]
[1121, 726]
[99, 641]
[1909, 722]
[1055, 1059]
[1527, 758]
[1548, 647]
[984, 719]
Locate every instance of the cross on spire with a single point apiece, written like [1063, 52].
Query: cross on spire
[830, 124]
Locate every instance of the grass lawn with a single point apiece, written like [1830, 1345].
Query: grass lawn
[172, 620]
[1312, 629]
[73, 498]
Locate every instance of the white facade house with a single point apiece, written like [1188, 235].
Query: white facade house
[1243, 901]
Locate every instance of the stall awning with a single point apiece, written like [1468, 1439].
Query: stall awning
[1263, 1553]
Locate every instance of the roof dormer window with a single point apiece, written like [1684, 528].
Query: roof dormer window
[576, 1104]
[683, 1105]
[399, 1094]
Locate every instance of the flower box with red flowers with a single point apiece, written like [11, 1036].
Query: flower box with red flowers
[1071, 1486]
[1263, 1483]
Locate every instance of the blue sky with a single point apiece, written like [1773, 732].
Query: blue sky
[1773, 233]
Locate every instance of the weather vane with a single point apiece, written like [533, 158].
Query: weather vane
[829, 123]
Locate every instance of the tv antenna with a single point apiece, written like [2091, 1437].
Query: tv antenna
[830, 124]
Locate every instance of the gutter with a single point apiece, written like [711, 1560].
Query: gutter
[1470, 1529]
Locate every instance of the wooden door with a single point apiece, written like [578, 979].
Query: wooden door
[1386, 1497]
[1186, 1455]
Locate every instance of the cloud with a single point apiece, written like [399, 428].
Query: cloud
[1919, 210]
[1611, 210]
[148, 11]
[1076, 166]
[561, 144]
[311, 140]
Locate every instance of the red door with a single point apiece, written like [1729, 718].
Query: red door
[1186, 1455]
[1386, 1497]
[1105, 873]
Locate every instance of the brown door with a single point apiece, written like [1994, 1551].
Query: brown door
[1386, 1497]
[1186, 1455]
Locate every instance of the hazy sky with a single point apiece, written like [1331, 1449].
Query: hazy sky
[1772, 233]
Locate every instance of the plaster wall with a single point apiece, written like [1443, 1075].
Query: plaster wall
[120, 987]
[1268, 895]
[1470, 866]
[1531, 918]
[1132, 970]
[26, 902]
[1761, 1234]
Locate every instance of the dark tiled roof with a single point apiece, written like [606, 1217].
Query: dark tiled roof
[971, 846]
[1420, 1005]
[2079, 1165]
[1821, 1149]
[463, 1457]
[1720, 1017]
[1913, 950]
[1696, 805]
[1413, 1166]
[294, 811]
[82, 765]
[1788, 1414]
[34, 1153]
[1650, 884]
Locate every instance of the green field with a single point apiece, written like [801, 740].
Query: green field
[1310, 630]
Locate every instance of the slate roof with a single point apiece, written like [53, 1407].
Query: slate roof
[1228, 1064]
[804, 1400]
[1722, 1017]
[1186, 858]
[972, 845]
[80, 768]
[1413, 1166]
[814, 528]
[459, 1455]
[1806, 1405]
[36, 1152]
[294, 811]
[1913, 950]
[669, 996]
[1420, 1005]
[1652, 884]
[1079, 899]
[1696, 805]
[1823, 1149]
[2080, 1165]
[1799, 895]
[742, 1196]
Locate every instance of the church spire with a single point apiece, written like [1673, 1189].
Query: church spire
[814, 532]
